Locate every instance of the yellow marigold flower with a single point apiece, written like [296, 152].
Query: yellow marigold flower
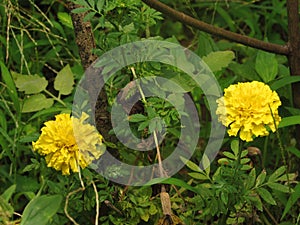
[68, 142]
[246, 109]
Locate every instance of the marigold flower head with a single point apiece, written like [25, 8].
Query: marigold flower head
[68, 142]
[249, 109]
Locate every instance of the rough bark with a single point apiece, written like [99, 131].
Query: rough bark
[86, 43]
[294, 55]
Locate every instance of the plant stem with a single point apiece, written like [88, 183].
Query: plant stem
[54, 97]
[97, 203]
[238, 161]
[281, 150]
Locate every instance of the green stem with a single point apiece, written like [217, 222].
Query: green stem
[54, 97]
[238, 161]
[281, 151]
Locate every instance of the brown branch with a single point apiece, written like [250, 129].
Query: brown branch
[248, 41]
[83, 35]
[294, 56]
[86, 43]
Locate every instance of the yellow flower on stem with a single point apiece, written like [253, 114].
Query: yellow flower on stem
[248, 109]
[68, 142]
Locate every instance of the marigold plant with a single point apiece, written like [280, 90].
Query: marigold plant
[68, 142]
[249, 109]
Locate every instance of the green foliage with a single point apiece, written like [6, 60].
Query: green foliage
[41, 209]
[40, 66]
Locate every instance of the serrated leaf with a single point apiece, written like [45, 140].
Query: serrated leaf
[65, 19]
[190, 164]
[41, 209]
[266, 195]
[137, 118]
[279, 187]
[261, 178]
[218, 60]
[64, 81]
[36, 102]
[143, 125]
[30, 84]
[274, 176]
[266, 66]
[89, 16]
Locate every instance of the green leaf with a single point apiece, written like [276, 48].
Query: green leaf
[190, 164]
[235, 147]
[12, 91]
[41, 209]
[294, 150]
[64, 81]
[9, 192]
[99, 5]
[256, 201]
[279, 187]
[137, 118]
[292, 200]
[261, 178]
[205, 163]
[289, 121]
[266, 66]
[89, 16]
[251, 179]
[229, 155]
[36, 102]
[218, 60]
[174, 181]
[274, 176]
[198, 176]
[266, 195]
[284, 81]
[30, 84]
[65, 19]
[5, 208]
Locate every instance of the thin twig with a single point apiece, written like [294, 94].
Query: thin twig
[67, 202]
[188, 20]
[97, 203]
[270, 215]
[161, 169]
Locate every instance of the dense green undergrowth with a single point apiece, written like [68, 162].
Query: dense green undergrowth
[248, 183]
